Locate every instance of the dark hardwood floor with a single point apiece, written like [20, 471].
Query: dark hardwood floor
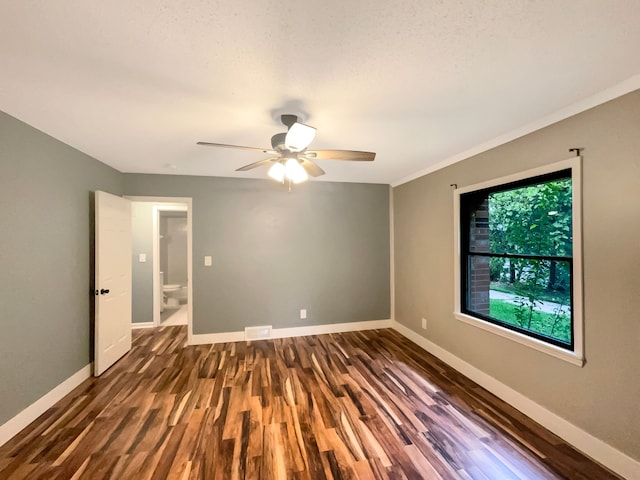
[344, 406]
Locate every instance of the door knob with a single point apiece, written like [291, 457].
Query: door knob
[104, 291]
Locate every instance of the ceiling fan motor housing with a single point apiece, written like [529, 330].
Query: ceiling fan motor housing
[277, 142]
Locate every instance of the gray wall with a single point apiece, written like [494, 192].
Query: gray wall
[142, 232]
[602, 397]
[46, 246]
[323, 247]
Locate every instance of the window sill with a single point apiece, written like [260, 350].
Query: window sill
[571, 357]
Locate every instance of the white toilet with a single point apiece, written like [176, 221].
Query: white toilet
[172, 293]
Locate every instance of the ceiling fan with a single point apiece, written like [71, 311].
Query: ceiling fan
[290, 158]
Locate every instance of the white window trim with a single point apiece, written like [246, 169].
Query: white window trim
[576, 356]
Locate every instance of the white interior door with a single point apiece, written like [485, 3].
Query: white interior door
[113, 280]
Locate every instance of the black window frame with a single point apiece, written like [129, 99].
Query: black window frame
[467, 201]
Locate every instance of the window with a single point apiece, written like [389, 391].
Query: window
[517, 258]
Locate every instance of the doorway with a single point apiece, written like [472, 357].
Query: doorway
[172, 249]
[162, 262]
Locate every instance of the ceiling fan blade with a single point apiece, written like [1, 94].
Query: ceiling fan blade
[311, 168]
[257, 164]
[240, 147]
[353, 155]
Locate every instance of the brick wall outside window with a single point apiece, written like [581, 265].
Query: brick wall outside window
[479, 279]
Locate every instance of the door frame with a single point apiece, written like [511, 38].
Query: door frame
[170, 204]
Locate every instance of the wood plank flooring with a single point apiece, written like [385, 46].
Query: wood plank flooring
[361, 405]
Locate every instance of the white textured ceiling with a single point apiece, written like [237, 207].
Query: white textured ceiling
[136, 83]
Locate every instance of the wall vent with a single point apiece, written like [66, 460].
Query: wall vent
[257, 333]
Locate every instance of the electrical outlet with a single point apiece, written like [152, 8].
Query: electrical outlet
[424, 323]
[303, 313]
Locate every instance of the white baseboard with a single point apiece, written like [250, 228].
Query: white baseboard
[600, 451]
[142, 325]
[13, 426]
[224, 337]
[208, 338]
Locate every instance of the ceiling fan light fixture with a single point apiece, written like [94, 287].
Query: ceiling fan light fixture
[295, 172]
[277, 172]
[299, 137]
